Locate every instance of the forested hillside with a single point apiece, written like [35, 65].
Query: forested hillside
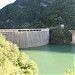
[59, 12]
[21, 13]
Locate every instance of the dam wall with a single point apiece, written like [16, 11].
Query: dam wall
[27, 37]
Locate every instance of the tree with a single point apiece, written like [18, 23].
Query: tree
[13, 62]
[69, 72]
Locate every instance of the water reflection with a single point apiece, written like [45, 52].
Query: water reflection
[54, 48]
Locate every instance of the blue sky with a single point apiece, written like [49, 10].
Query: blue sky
[5, 2]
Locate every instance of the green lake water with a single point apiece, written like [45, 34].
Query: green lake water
[52, 59]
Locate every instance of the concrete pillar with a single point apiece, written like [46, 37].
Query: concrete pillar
[73, 36]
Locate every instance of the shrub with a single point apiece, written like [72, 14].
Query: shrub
[69, 72]
[14, 62]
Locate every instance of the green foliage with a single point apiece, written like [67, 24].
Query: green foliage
[13, 62]
[69, 72]
[20, 12]
[37, 25]
[23, 59]
[60, 11]
[60, 36]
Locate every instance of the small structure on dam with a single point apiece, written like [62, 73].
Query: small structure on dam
[27, 37]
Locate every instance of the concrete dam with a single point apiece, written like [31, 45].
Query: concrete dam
[27, 37]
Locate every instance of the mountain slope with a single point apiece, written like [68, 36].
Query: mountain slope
[22, 12]
[60, 12]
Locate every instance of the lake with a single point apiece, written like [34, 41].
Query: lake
[52, 59]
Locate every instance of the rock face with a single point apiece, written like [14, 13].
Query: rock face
[27, 37]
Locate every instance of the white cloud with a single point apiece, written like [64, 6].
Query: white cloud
[5, 2]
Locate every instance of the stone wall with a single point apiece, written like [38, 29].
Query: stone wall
[27, 37]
